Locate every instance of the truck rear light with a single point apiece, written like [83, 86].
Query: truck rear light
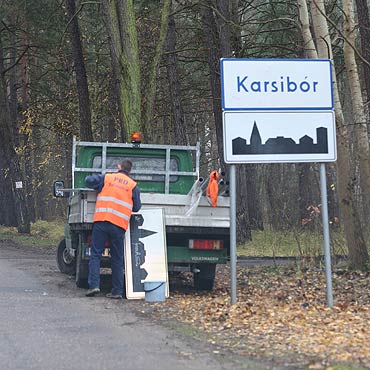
[205, 244]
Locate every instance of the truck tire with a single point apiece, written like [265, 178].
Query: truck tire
[205, 278]
[82, 271]
[66, 262]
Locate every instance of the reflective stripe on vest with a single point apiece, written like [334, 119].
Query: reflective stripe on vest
[114, 203]
[114, 200]
[110, 210]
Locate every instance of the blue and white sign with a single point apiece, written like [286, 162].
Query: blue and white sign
[276, 84]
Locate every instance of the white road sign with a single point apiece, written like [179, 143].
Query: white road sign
[145, 252]
[276, 84]
[279, 137]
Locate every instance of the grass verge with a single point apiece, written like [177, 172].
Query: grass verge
[292, 243]
[43, 234]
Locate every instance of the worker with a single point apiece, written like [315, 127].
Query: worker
[118, 196]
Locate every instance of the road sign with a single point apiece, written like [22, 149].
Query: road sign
[145, 252]
[279, 137]
[276, 84]
[277, 111]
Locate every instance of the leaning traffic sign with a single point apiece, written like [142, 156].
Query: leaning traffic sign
[145, 252]
[279, 137]
[276, 84]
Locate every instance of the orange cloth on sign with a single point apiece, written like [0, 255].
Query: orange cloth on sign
[212, 188]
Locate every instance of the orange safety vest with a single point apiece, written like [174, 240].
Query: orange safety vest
[114, 202]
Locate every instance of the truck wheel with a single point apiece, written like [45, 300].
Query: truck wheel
[66, 262]
[205, 278]
[82, 271]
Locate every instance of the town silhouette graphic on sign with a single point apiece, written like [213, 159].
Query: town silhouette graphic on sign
[281, 144]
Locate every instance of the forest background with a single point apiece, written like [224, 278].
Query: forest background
[99, 70]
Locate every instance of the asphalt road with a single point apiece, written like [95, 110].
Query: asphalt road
[46, 322]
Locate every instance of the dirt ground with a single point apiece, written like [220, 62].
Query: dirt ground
[281, 315]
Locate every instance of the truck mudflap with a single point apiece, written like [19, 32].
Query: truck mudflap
[205, 278]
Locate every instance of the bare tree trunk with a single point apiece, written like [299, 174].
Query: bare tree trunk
[243, 224]
[80, 70]
[10, 156]
[254, 204]
[214, 54]
[306, 197]
[236, 39]
[360, 119]
[7, 217]
[308, 43]
[218, 44]
[223, 22]
[25, 155]
[13, 99]
[233, 48]
[352, 227]
[152, 84]
[333, 206]
[364, 29]
[6, 199]
[121, 26]
[179, 131]
[116, 92]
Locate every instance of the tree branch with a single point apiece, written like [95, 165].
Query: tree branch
[341, 33]
[75, 15]
[17, 61]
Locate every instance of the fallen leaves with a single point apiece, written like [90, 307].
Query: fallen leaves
[282, 314]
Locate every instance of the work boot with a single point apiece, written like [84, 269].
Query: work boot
[92, 292]
[114, 296]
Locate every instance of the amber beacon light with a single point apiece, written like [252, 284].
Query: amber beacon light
[136, 137]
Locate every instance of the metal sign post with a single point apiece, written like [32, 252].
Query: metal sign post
[233, 232]
[325, 224]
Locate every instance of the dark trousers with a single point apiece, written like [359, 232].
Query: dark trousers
[103, 231]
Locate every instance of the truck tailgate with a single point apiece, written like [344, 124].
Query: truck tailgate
[176, 205]
[82, 207]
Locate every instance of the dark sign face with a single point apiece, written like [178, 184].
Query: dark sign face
[145, 252]
[138, 251]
